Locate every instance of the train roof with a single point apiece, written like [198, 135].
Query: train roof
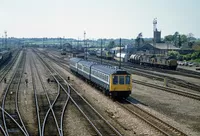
[102, 68]
[108, 69]
[3, 52]
[87, 63]
[75, 59]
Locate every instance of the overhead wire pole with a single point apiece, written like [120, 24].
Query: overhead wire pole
[120, 42]
[61, 42]
[85, 45]
[101, 51]
[5, 40]
[43, 42]
[2, 42]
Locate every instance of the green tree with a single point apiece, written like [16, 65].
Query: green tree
[139, 40]
[168, 38]
[191, 40]
[111, 44]
[176, 38]
[191, 37]
[174, 54]
[195, 55]
[181, 40]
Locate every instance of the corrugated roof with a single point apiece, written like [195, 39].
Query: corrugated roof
[165, 46]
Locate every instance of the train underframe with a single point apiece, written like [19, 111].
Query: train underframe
[120, 94]
[159, 66]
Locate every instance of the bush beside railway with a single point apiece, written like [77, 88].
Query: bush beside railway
[193, 57]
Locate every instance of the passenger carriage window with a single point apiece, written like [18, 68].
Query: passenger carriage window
[115, 80]
[127, 79]
[121, 80]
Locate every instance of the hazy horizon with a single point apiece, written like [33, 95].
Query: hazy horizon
[100, 18]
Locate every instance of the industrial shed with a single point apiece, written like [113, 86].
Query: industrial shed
[158, 48]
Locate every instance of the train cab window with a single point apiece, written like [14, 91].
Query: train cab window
[115, 80]
[127, 79]
[121, 80]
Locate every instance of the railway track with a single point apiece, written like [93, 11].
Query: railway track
[167, 89]
[155, 122]
[4, 71]
[10, 102]
[149, 74]
[179, 71]
[179, 92]
[97, 122]
[161, 126]
[49, 116]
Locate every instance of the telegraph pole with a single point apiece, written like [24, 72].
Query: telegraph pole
[5, 39]
[85, 44]
[60, 43]
[120, 42]
[101, 51]
[43, 42]
[2, 42]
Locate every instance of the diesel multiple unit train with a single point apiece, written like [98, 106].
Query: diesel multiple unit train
[112, 81]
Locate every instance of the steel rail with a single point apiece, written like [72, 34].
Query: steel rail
[36, 100]
[50, 105]
[4, 98]
[189, 73]
[171, 90]
[3, 131]
[95, 128]
[149, 74]
[58, 94]
[63, 112]
[167, 130]
[9, 68]
[13, 121]
[16, 96]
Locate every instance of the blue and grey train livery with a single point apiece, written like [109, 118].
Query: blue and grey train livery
[114, 82]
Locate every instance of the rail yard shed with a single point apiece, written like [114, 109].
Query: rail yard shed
[158, 48]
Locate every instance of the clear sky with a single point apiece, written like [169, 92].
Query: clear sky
[99, 18]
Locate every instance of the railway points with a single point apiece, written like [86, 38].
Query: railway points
[53, 110]
[93, 72]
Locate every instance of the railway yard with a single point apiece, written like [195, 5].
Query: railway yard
[41, 96]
